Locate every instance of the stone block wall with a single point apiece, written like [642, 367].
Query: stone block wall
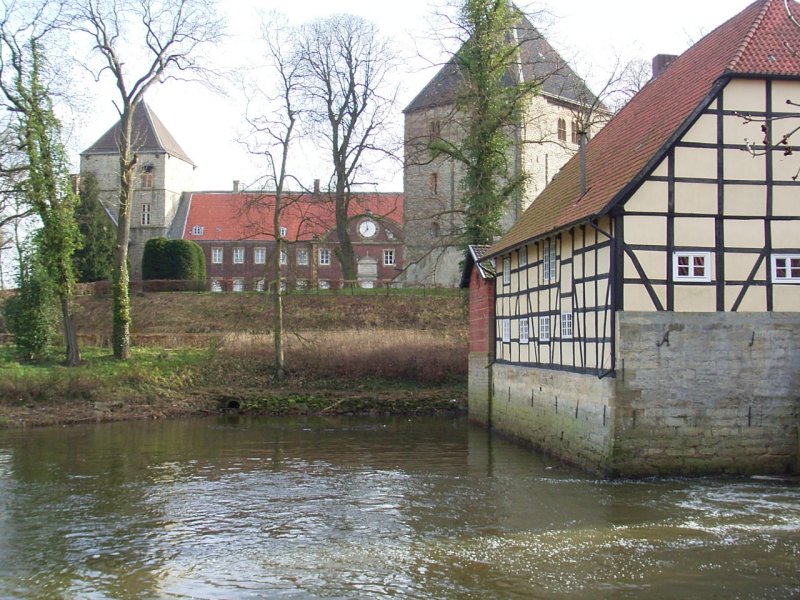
[707, 393]
[479, 382]
[562, 413]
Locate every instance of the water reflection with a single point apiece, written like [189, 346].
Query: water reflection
[359, 507]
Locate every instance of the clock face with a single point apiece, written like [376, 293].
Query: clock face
[367, 228]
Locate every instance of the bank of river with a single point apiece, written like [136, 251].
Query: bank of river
[368, 507]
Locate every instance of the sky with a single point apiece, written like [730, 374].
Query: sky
[589, 34]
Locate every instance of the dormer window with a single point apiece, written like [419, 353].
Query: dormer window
[197, 230]
[147, 175]
[283, 232]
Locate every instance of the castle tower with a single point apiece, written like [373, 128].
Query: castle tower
[163, 172]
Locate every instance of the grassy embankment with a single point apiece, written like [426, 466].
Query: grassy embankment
[199, 353]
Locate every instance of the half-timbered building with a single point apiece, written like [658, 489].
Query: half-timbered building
[647, 312]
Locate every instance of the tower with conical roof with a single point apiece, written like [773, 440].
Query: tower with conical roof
[163, 172]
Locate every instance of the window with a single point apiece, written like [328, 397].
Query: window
[507, 270]
[216, 285]
[523, 331]
[786, 268]
[324, 256]
[216, 256]
[434, 130]
[238, 256]
[692, 266]
[260, 256]
[324, 284]
[197, 230]
[238, 284]
[283, 231]
[549, 262]
[544, 328]
[284, 257]
[435, 228]
[576, 132]
[388, 257]
[300, 284]
[562, 130]
[566, 325]
[147, 176]
[302, 257]
[433, 183]
[145, 214]
[523, 256]
[506, 330]
[258, 285]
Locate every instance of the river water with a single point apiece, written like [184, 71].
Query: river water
[368, 508]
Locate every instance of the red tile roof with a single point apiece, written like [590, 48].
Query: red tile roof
[754, 42]
[227, 216]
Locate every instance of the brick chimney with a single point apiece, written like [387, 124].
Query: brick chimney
[661, 62]
[235, 186]
[316, 187]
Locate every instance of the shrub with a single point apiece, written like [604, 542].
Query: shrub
[173, 259]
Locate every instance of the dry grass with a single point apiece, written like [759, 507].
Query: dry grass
[427, 357]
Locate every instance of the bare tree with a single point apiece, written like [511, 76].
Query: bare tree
[171, 33]
[346, 65]
[272, 133]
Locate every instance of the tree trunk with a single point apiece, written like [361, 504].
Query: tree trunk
[121, 328]
[345, 250]
[277, 301]
[73, 357]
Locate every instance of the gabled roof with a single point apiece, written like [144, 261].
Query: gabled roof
[753, 43]
[149, 135]
[539, 62]
[475, 254]
[227, 216]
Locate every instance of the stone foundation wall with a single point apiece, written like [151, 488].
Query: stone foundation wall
[565, 414]
[478, 388]
[707, 393]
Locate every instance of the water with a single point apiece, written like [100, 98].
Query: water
[368, 508]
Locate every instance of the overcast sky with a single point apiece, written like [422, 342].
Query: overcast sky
[589, 34]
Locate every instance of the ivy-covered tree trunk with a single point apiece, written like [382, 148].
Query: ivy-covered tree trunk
[120, 285]
[490, 104]
[48, 188]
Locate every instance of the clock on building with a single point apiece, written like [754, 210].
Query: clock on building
[367, 228]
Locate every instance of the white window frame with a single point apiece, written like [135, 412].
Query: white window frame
[788, 278]
[324, 257]
[284, 258]
[324, 284]
[566, 326]
[258, 285]
[506, 327]
[259, 255]
[549, 260]
[523, 256]
[506, 270]
[217, 255]
[544, 328]
[146, 214]
[238, 284]
[302, 257]
[283, 231]
[388, 258]
[238, 255]
[197, 230]
[524, 331]
[216, 284]
[692, 256]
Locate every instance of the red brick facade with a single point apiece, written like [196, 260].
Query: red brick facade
[481, 313]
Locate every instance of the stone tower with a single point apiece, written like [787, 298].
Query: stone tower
[163, 172]
[545, 140]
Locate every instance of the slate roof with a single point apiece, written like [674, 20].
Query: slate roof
[475, 254]
[539, 62]
[227, 216]
[621, 154]
[149, 135]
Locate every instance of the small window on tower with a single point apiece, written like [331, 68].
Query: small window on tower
[147, 176]
[145, 214]
[433, 183]
[562, 130]
[576, 134]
